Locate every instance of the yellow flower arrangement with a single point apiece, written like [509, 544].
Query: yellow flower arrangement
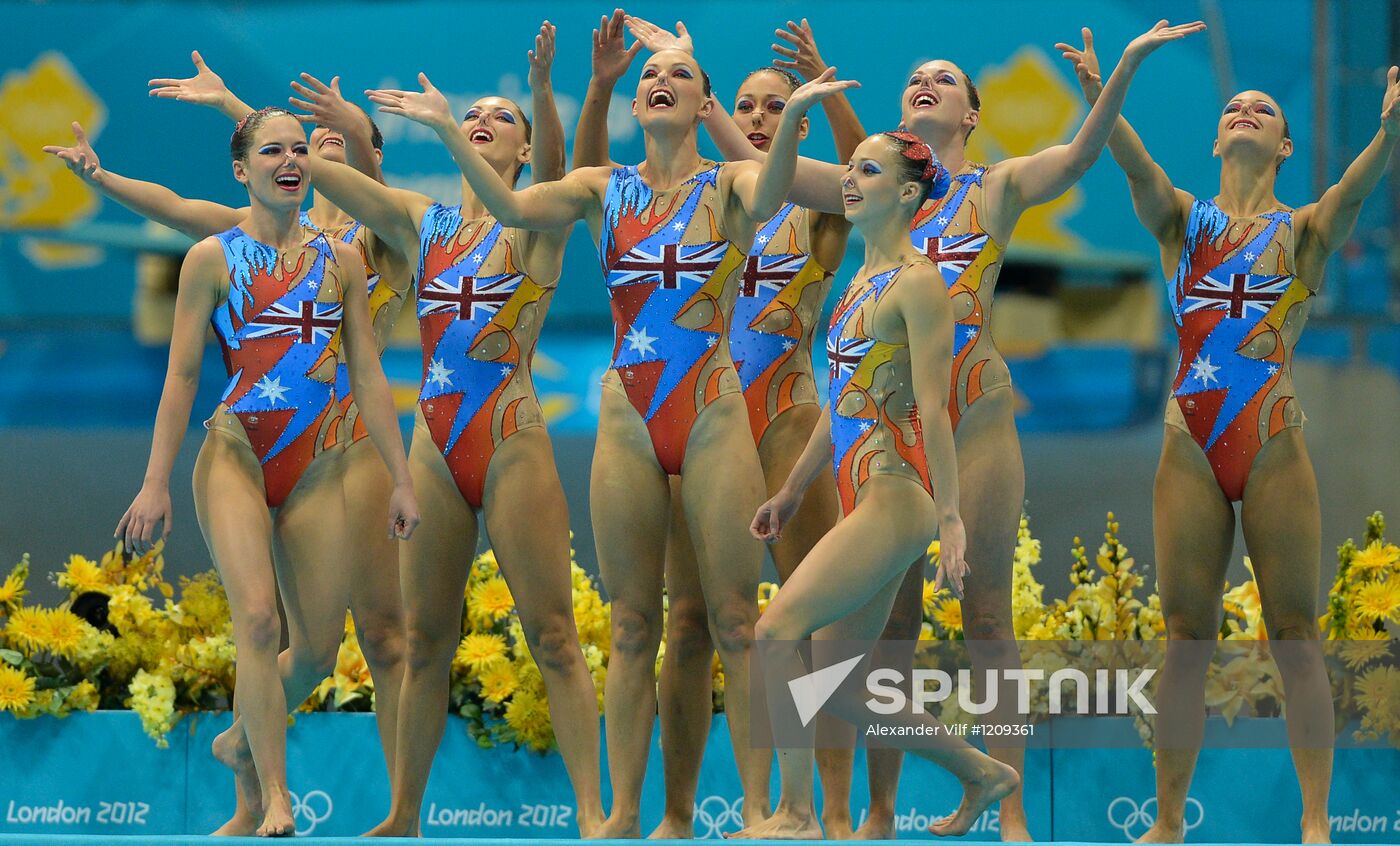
[163, 657]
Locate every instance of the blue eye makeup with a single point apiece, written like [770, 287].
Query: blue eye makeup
[1264, 108]
[776, 105]
[472, 113]
[270, 149]
[870, 169]
[1232, 107]
[683, 73]
[947, 79]
[913, 80]
[299, 149]
[505, 117]
[744, 106]
[648, 73]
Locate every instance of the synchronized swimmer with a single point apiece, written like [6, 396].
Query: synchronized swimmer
[712, 436]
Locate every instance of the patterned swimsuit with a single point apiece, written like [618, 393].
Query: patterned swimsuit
[275, 330]
[668, 269]
[1239, 310]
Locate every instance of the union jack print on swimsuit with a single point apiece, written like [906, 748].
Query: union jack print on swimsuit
[1222, 309]
[654, 277]
[470, 351]
[275, 334]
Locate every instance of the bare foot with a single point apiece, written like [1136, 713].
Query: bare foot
[784, 825]
[1162, 832]
[230, 748]
[277, 819]
[1317, 831]
[837, 826]
[995, 781]
[618, 827]
[673, 827]
[755, 812]
[587, 823]
[392, 827]
[1013, 826]
[875, 827]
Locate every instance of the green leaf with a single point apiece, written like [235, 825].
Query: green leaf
[10, 656]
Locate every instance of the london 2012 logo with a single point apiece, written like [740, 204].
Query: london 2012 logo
[716, 815]
[310, 809]
[1126, 815]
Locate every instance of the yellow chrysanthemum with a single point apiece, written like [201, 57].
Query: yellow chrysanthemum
[498, 682]
[1378, 600]
[930, 599]
[1377, 557]
[16, 689]
[81, 575]
[478, 651]
[948, 615]
[26, 630]
[65, 632]
[490, 601]
[528, 714]
[1357, 654]
[11, 589]
[1378, 692]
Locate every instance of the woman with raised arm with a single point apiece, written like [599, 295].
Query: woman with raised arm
[1242, 268]
[367, 567]
[965, 235]
[889, 350]
[673, 233]
[479, 445]
[785, 281]
[267, 483]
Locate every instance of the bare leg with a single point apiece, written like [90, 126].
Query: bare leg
[685, 689]
[888, 527]
[237, 527]
[375, 598]
[782, 445]
[1194, 526]
[534, 558]
[992, 475]
[723, 489]
[434, 575]
[884, 763]
[1283, 534]
[630, 503]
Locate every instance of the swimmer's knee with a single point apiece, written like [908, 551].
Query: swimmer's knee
[553, 643]
[688, 631]
[382, 640]
[635, 632]
[732, 625]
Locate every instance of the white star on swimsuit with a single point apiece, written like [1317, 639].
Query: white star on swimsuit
[787, 345]
[943, 221]
[1203, 370]
[1250, 257]
[678, 226]
[315, 286]
[438, 373]
[865, 426]
[639, 341]
[271, 389]
[711, 341]
[970, 331]
[762, 239]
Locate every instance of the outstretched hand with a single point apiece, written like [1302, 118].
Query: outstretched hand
[1086, 65]
[80, 158]
[205, 88]
[656, 39]
[542, 57]
[802, 56]
[773, 515]
[327, 106]
[403, 512]
[952, 549]
[428, 107]
[1390, 104]
[1160, 33]
[611, 56]
[138, 524]
[810, 93]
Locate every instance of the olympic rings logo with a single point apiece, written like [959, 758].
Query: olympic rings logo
[1136, 820]
[313, 808]
[714, 815]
